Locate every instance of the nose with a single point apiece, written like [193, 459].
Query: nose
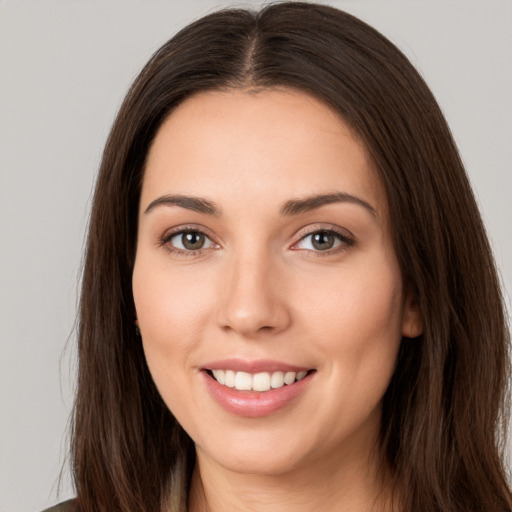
[253, 300]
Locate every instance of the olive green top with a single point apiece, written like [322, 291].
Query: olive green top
[65, 506]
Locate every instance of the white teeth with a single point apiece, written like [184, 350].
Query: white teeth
[229, 379]
[277, 380]
[301, 375]
[289, 377]
[220, 376]
[262, 381]
[243, 381]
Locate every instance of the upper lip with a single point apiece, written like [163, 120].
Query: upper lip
[255, 366]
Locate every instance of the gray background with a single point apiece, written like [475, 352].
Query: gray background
[64, 68]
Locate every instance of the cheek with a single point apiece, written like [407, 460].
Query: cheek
[356, 320]
[171, 303]
[171, 312]
[362, 300]
[356, 328]
[168, 314]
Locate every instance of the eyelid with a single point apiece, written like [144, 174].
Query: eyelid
[345, 237]
[164, 240]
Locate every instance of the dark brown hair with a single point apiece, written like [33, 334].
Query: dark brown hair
[444, 414]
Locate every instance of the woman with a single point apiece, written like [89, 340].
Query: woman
[288, 300]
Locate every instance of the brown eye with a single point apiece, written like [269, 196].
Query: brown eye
[190, 241]
[323, 240]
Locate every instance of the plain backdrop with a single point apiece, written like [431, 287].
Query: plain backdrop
[64, 68]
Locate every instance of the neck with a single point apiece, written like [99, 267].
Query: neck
[355, 485]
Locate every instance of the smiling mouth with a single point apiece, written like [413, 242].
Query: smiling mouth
[262, 381]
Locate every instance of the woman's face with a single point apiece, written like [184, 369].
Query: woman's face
[265, 262]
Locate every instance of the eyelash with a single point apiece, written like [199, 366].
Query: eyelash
[345, 241]
[167, 237]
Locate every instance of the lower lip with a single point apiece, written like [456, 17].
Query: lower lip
[254, 404]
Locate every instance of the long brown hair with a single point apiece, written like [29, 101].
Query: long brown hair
[444, 414]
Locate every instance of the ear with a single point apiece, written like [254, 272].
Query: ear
[412, 319]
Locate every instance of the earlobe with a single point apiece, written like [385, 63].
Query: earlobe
[412, 320]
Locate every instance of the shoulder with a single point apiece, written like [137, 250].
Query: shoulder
[65, 506]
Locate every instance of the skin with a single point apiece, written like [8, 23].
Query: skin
[259, 289]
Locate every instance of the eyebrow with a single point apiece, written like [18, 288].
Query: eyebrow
[196, 204]
[291, 207]
[296, 206]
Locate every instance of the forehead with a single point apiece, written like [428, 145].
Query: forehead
[270, 144]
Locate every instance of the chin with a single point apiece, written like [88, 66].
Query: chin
[258, 464]
[263, 452]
